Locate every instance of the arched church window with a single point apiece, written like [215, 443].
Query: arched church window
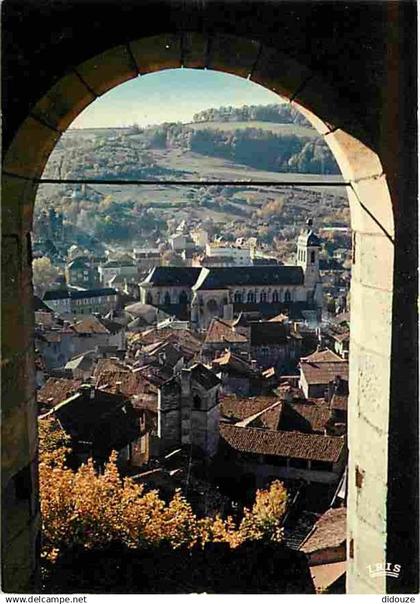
[312, 257]
[287, 296]
[237, 297]
[197, 402]
[212, 305]
[263, 297]
[275, 296]
[167, 298]
[251, 297]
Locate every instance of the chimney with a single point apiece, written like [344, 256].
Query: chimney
[253, 364]
[118, 387]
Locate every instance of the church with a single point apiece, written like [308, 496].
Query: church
[199, 294]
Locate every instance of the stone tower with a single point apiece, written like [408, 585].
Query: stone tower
[307, 256]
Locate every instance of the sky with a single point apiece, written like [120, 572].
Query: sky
[173, 95]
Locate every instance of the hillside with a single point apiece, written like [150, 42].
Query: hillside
[202, 150]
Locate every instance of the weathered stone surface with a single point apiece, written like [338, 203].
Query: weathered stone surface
[30, 149]
[233, 55]
[280, 73]
[15, 441]
[374, 261]
[373, 311]
[18, 380]
[373, 389]
[107, 70]
[63, 102]
[20, 563]
[17, 195]
[370, 549]
[157, 52]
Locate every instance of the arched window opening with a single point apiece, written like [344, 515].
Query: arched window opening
[237, 297]
[149, 298]
[287, 296]
[167, 299]
[275, 296]
[250, 297]
[263, 297]
[197, 402]
[312, 257]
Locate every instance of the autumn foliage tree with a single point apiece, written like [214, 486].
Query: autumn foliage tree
[84, 508]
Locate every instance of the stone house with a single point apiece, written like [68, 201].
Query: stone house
[224, 336]
[264, 455]
[326, 543]
[273, 344]
[318, 370]
[96, 331]
[82, 272]
[325, 548]
[82, 365]
[124, 267]
[82, 302]
[237, 375]
[97, 422]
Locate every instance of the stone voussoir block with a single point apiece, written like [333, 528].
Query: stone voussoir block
[30, 149]
[157, 52]
[321, 126]
[355, 159]
[194, 50]
[232, 54]
[63, 102]
[371, 209]
[280, 73]
[107, 70]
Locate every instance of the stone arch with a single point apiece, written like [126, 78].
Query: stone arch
[372, 221]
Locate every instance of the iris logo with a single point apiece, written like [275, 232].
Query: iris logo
[382, 569]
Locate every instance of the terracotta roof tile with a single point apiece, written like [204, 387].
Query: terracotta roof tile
[221, 331]
[323, 372]
[284, 444]
[329, 531]
[322, 356]
[241, 408]
[56, 390]
[314, 412]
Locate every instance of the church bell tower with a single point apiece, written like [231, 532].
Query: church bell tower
[307, 257]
